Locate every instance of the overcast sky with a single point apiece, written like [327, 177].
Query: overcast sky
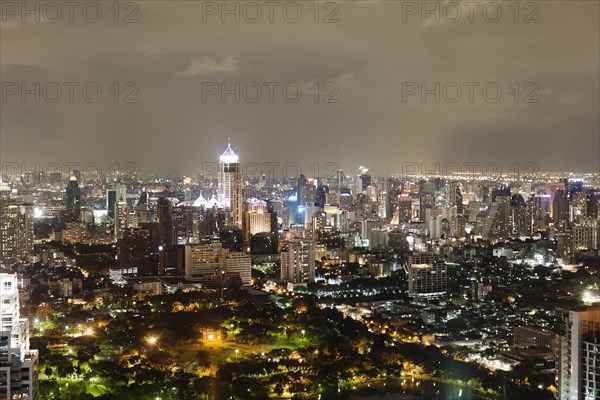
[369, 61]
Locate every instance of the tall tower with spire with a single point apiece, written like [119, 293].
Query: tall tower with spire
[230, 186]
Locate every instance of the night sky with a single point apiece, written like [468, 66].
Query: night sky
[365, 62]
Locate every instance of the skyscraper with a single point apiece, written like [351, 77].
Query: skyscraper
[121, 218]
[139, 249]
[427, 201]
[301, 197]
[542, 211]
[111, 201]
[363, 181]
[230, 186]
[498, 222]
[73, 197]
[301, 190]
[18, 363]
[455, 198]
[560, 209]
[520, 215]
[576, 347]
[165, 219]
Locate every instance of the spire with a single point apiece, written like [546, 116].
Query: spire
[229, 156]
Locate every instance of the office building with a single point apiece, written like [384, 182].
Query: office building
[230, 186]
[139, 248]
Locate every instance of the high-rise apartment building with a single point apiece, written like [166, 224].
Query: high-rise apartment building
[427, 280]
[427, 275]
[576, 354]
[298, 261]
[19, 364]
[586, 235]
[16, 232]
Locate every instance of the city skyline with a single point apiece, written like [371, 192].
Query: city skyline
[300, 199]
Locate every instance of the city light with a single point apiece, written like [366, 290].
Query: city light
[394, 199]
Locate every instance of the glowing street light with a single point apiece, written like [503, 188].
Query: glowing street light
[236, 351]
[152, 340]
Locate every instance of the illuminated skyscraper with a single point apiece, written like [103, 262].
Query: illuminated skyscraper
[230, 186]
[121, 218]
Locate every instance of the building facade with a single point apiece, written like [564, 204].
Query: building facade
[19, 364]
